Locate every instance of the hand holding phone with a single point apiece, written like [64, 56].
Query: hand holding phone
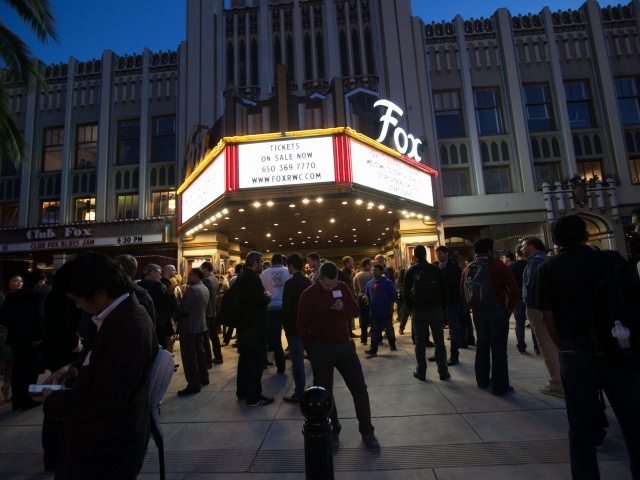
[36, 389]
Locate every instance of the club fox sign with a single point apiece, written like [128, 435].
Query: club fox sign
[404, 142]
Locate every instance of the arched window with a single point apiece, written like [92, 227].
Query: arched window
[277, 52]
[230, 64]
[308, 58]
[344, 55]
[320, 55]
[368, 51]
[242, 67]
[290, 55]
[255, 76]
[357, 60]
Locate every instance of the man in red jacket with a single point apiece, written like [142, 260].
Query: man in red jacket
[325, 310]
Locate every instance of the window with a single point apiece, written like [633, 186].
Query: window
[127, 206]
[455, 183]
[578, 104]
[448, 114]
[488, 112]
[496, 180]
[628, 100]
[163, 141]
[84, 209]
[546, 172]
[538, 108]
[163, 203]
[87, 146]
[589, 169]
[634, 166]
[9, 214]
[129, 142]
[52, 149]
[50, 212]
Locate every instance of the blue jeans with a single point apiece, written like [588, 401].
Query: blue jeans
[324, 358]
[379, 322]
[492, 329]
[452, 314]
[296, 352]
[274, 342]
[423, 318]
[582, 374]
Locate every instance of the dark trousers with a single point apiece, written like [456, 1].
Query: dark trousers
[252, 347]
[423, 319]
[215, 340]
[194, 362]
[403, 315]
[364, 320]
[26, 364]
[582, 375]
[379, 323]
[324, 357]
[275, 338]
[466, 326]
[492, 328]
[452, 315]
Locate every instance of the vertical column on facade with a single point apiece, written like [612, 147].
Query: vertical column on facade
[469, 108]
[247, 49]
[363, 56]
[105, 161]
[265, 44]
[145, 131]
[510, 70]
[559, 94]
[298, 71]
[314, 50]
[69, 141]
[30, 164]
[608, 99]
[330, 38]
[347, 22]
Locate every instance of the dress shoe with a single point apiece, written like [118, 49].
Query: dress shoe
[293, 398]
[419, 377]
[401, 331]
[268, 363]
[188, 391]
[445, 376]
[432, 358]
[452, 362]
[217, 361]
[371, 353]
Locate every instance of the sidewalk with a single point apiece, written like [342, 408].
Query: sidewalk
[435, 430]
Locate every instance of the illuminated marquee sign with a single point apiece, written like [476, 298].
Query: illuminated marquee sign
[403, 142]
[294, 161]
[208, 186]
[374, 169]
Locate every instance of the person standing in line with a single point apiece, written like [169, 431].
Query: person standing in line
[293, 289]
[359, 287]
[452, 311]
[151, 282]
[130, 266]
[212, 351]
[519, 312]
[346, 275]
[191, 324]
[12, 284]
[273, 280]
[313, 260]
[380, 295]
[250, 311]
[323, 323]
[492, 323]
[169, 279]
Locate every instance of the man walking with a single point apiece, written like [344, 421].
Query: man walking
[192, 324]
[323, 323]
[426, 301]
[380, 296]
[492, 322]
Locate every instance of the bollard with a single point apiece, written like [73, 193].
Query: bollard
[316, 405]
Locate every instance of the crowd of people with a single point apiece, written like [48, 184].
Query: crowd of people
[97, 315]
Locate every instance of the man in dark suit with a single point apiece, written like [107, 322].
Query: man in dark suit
[191, 317]
[105, 416]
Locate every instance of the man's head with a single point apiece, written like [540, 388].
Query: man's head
[635, 219]
[207, 268]
[420, 252]
[507, 258]
[569, 231]
[254, 261]
[328, 278]
[442, 254]
[530, 245]
[347, 262]
[295, 263]
[92, 281]
[128, 263]
[35, 278]
[195, 275]
[366, 264]
[380, 259]
[313, 259]
[238, 268]
[483, 245]
[152, 272]
[378, 271]
[277, 259]
[519, 252]
[169, 271]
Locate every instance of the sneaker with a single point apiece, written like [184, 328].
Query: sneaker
[371, 353]
[432, 359]
[371, 442]
[293, 398]
[522, 350]
[335, 442]
[445, 376]
[547, 390]
[262, 401]
[417, 375]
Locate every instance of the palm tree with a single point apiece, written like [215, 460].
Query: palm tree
[15, 59]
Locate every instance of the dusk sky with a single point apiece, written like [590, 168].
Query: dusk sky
[86, 28]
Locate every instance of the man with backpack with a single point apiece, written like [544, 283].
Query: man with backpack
[575, 311]
[425, 295]
[491, 291]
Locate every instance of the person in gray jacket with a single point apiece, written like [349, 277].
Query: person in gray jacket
[191, 319]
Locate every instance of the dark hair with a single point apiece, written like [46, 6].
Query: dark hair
[296, 261]
[7, 280]
[442, 248]
[535, 242]
[378, 266]
[420, 252]
[345, 260]
[509, 255]
[253, 257]
[314, 256]
[519, 250]
[89, 272]
[635, 212]
[329, 270]
[238, 268]
[277, 259]
[197, 272]
[365, 262]
[128, 263]
[207, 265]
[483, 245]
[568, 231]
[33, 277]
[152, 267]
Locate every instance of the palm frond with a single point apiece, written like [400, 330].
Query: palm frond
[12, 144]
[37, 14]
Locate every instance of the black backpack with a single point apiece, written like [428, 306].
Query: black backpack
[478, 287]
[617, 297]
[426, 291]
